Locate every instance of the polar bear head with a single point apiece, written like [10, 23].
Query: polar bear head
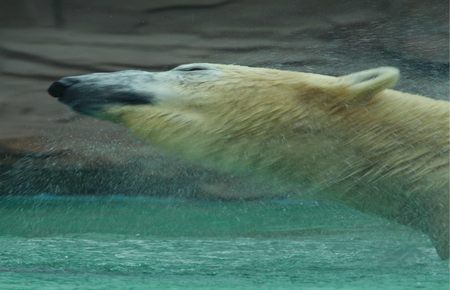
[195, 106]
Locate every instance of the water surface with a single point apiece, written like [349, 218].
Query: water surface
[119, 242]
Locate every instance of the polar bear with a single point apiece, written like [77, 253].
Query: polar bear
[346, 138]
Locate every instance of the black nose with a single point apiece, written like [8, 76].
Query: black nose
[57, 88]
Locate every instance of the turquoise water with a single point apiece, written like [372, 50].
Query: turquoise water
[118, 242]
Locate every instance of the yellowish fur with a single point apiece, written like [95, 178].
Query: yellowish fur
[344, 138]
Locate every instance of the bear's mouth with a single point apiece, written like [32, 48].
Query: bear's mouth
[87, 97]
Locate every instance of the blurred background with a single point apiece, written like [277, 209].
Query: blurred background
[46, 148]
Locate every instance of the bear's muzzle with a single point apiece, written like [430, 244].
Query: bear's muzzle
[90, 93]
[57, 88]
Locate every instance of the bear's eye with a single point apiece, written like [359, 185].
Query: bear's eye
[191, 68]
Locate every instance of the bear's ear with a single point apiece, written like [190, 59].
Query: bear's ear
[359, 87]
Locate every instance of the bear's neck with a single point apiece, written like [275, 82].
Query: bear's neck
[398, 136]
[395, 161]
